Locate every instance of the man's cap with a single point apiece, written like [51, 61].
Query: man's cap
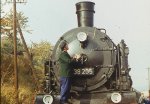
[63, 44]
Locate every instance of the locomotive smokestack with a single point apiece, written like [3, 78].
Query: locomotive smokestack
[85, 11]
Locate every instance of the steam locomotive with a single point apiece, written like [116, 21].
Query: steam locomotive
[101, 76]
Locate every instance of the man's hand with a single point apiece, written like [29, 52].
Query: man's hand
[77, 56]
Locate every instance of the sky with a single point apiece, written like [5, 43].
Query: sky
[122, 19]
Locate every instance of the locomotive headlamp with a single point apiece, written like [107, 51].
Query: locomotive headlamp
[47, 99]
[82, 36]
[115, 97]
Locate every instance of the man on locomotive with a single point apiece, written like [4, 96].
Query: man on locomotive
[65, 72]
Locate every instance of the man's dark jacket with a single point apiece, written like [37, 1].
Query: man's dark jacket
[65, 64]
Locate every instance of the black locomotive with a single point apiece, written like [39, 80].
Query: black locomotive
[101, 76]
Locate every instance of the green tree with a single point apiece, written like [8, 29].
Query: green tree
[7, 21]
[7, 32]
[40, 52]
[26, 85]
[7, 47]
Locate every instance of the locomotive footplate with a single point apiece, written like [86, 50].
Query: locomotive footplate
[128, 97]
[105, 98]
[115, 97]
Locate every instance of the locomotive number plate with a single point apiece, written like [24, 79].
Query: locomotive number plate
[84, 71]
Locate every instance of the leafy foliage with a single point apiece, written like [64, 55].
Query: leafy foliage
[40, 52]
[26, 85]
[7, 20]
[7, 46]
[7, 38]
